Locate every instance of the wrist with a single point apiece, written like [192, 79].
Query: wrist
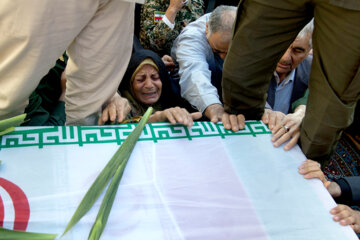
[300, 110]
[171, 14]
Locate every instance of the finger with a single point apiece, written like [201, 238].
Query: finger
[278, 134]
[338, 209]
[347, 220]
[278, 119]
[122, 110]
[189, 118]
[216, 117]
[169, 116]
[327, 184]
[226, 121]
[234, 123]
[310, 168]
[179, 115]
[343, 214]
[272, 121]
[312, 172]
[292, 142]
[286, 136]
[278, 127]
[282, 139]
[112, 112]
[104, 116]
[265, 118]
[196, 115]
[241, 121]
[308, 162]
[280, 124]
[120, 114]
[356, 227]
[100, 122]
[313, 175]
[186, 116]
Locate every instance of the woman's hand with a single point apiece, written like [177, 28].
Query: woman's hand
[175, 115]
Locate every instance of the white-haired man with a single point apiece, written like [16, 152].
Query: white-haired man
[287, 94]
[199, 52]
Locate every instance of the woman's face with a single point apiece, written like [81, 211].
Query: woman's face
[147, 85]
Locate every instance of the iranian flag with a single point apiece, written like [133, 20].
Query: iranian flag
[203, 182]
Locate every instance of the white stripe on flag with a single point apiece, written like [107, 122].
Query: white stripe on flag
[9, 214]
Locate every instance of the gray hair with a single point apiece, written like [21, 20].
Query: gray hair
[222, 19]
[307, 30]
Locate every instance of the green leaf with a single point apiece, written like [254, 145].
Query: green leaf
[6, 234]
[11, 122]
[111, 167]
[106, 205]
[10, 129]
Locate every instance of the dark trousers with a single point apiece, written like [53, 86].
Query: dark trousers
[263, 31]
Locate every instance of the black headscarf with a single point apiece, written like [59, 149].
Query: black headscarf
[166, 99]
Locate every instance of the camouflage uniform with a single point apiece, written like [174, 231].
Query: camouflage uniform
[156, 35]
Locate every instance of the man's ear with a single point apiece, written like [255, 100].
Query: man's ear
[207, 28]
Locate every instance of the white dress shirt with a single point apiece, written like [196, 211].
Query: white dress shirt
[191, 50]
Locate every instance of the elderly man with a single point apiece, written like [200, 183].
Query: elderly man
[199, 51]
[287, 94]
[264, 30]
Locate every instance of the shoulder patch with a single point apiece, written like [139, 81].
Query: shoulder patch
[158, 16]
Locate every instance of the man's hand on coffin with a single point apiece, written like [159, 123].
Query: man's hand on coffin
[116, 109]
[233, 122]
[347, 216]
[311, 169]
[272, 118]
[288, 128]
[214, 112]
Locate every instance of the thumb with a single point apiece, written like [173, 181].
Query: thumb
[214, 118]
[265, 118]
[196, 115]
[327, 184]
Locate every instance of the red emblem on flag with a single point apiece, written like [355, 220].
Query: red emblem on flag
[20, 202]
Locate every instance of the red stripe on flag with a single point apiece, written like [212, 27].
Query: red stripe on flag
[2, 212]
[158, 18]
[21, 204]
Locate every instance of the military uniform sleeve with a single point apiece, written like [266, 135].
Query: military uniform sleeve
[300, 101]
[158, 36]
[155, 35]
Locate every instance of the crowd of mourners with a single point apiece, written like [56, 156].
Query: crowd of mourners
[185, 59]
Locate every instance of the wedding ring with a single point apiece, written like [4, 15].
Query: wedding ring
[286, 128]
